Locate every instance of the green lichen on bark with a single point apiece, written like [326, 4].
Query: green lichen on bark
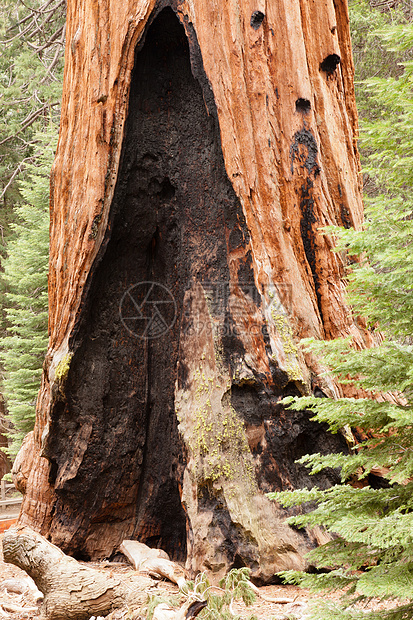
[283, 328]
[218, 444]
[62, 371]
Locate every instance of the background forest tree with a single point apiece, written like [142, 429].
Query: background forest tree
[31, 68]
[31, 71]
[26, 299]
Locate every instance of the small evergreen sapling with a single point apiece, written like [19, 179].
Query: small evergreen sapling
[372, 551]
[235, 586]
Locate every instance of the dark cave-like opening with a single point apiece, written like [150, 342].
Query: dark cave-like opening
[172, 208]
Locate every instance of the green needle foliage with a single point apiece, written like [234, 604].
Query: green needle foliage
[235, 586]
[371, 554]
[32, 36]
[31, 69]
[25, 279]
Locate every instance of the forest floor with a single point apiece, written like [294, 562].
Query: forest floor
[262, 609]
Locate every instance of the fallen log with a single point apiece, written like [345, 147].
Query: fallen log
[152, 561]
[73, 591]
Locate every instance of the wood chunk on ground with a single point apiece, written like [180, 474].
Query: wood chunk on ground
[152, 561]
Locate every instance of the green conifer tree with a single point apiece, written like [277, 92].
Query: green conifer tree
[25, 279]
[372, 550]
[31, 69]
[32, 34]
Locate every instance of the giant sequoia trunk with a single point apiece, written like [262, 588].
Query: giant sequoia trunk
[203, 144]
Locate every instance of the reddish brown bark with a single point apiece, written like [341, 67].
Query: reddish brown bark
[203, 145]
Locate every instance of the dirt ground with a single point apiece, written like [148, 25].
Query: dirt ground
[263, 609]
